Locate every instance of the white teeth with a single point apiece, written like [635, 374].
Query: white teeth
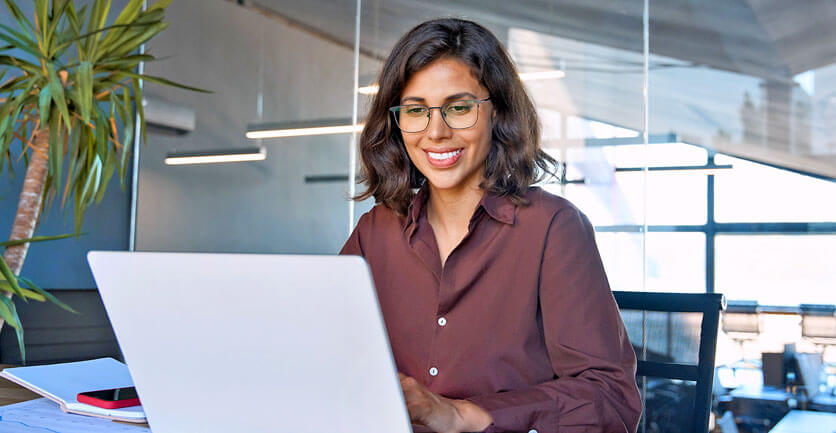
[443, 156]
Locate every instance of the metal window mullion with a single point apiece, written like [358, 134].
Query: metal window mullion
[136, 150]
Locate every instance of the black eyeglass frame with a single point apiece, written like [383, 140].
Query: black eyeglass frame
[397, 108]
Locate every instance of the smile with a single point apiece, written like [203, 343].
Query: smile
[445, 155]
[443, 159]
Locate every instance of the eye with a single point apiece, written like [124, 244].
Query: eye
[414, 110]
[459, 108]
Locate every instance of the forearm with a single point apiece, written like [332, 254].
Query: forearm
[563, 405]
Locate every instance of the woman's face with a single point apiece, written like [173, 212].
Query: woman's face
[451, 159]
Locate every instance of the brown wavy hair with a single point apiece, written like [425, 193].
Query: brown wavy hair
[515, 156]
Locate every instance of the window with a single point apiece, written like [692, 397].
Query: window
[777, 269]
[753, 192]
[675, 261]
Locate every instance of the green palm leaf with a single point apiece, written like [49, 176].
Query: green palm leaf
[20, 19]
[8, 309]
[57, 91]
[66, 42]
[44, 100]
[23, 44]
[163, 81]
[76, 74]
[84, 78]
[9, 276]
[7, 313]
[52, 27]
[46, 294]
[41, 16]
[36, 239]
[28, 294]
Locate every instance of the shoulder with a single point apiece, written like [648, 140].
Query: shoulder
[554, 216]
[567, 235]
[380, 219]
[378, 226]
[545, 206]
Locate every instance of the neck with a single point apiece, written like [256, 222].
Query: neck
[451, 210]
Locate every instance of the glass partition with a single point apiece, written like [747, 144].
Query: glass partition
[750, 89]
[278, 65]
[729, 188]
[749, 85]
[582, 66]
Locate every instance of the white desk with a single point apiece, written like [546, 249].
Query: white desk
[802, 421]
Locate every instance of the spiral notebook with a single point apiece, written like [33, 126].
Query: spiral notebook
[61, 383]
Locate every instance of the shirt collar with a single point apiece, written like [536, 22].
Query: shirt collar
[415, 208]
[500, 208]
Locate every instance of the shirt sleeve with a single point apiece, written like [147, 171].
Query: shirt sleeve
[594, 389]
[352, 246]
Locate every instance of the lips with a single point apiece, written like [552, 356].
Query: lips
[443, 158]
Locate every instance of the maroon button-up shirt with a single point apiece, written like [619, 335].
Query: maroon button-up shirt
[520, 320]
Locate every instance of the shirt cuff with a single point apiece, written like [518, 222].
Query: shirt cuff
[513, 410]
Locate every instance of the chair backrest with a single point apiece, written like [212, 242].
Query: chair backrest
[741, 320]
[675, 338]
[818, 322]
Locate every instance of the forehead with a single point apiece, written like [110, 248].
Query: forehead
[440, 79]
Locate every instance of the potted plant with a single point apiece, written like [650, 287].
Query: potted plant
[69, 89]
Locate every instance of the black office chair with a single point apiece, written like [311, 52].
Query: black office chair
[675, 337]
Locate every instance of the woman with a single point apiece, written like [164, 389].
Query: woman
[496, 303]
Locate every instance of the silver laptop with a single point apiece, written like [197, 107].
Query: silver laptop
[252, 343]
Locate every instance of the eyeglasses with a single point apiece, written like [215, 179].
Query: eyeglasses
[457, 115]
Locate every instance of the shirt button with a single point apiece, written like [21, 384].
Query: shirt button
[433, 371]
[442, 321]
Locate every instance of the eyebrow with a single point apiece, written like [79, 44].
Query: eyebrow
[453, 97]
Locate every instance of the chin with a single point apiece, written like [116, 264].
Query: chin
[443, 185]
[447, 183]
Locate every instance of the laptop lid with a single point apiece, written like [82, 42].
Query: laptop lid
[252, 343]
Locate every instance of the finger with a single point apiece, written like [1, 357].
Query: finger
[408, 382]
[420, 428]
[414, 397]
[419, 409]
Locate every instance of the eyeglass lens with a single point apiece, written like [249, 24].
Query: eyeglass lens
[457, 115]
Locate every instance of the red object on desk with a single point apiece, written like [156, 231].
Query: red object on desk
[110, 398]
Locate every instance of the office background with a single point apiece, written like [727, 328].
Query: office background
[737, 198]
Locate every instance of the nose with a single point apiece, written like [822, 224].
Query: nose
[437, 129]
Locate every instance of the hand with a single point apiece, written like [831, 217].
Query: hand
[439, 414]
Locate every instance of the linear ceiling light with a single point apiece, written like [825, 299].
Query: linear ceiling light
[371, 89]
[542, 75]
[296, 132]
[216, 157]
[297, 129]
